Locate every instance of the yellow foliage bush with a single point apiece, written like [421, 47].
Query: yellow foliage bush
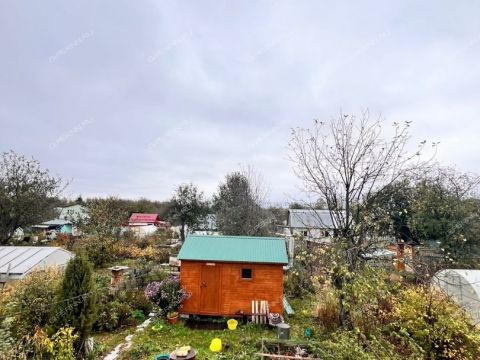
[428, 319]
[134, 252]
[59, 346]
[327, 309]
[395, 321]
[28, 302]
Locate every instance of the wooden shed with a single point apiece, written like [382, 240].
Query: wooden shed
[225, 273]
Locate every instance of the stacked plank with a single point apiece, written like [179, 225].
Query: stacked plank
[260, 311]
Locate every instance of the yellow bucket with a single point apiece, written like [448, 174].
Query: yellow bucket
[232, 324]
[216, 345]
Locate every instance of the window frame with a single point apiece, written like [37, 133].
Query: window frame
[246, 278]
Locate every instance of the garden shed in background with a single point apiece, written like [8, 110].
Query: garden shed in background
[463, 286]
[224, 274]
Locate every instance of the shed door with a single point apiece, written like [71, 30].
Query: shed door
[210, 285]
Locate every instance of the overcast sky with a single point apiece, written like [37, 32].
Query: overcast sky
[131, 98]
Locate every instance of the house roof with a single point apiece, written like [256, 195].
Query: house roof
[73, 212]
[143, 218]
[249, 249]
[57, 222]
[306, 218]
[19, 260]
[54, 222]
[378, 254]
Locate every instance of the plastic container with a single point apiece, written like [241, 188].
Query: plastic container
[232, 324]
[216, 345]
[161, 357]
[283, 331]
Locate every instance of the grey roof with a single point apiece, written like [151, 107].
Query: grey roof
[313, 219]
[22, 259]
[57, 222]
[378, 254]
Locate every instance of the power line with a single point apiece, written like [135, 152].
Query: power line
[3, 317]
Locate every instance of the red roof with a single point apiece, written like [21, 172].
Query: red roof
[143, 218]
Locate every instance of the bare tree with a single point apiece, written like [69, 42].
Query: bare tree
[346, 161]
[460, 184]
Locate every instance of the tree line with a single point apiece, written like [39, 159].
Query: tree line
[30, 194]
[372, 184]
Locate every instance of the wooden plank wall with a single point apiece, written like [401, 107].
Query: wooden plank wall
[190, 278]
[236, 294]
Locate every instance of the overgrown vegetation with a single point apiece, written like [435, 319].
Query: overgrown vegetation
[392, 319]
[438, 208]
[49, 315]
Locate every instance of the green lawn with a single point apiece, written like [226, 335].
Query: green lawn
[238, 344]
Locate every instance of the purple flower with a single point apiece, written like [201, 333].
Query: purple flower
[167, 294]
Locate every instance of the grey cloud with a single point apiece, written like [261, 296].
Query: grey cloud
[186, 91]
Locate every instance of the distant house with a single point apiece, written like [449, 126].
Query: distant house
[314, 225]
[66, 221]
[73, 213]
[208, 226]
[62, 226]
[224, 274]
[146, 224]
[18, 261]
[19, 234]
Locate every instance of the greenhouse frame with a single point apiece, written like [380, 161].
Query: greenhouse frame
[463, 286]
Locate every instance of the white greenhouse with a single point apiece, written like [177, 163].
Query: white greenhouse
[463, 286]
[17, 261]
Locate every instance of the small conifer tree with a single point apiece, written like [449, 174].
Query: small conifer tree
[76, 301]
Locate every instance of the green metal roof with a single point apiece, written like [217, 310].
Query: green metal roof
[249, 249]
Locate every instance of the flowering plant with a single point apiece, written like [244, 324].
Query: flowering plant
[168, 294]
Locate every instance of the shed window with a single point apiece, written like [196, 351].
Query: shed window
[246, 273]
